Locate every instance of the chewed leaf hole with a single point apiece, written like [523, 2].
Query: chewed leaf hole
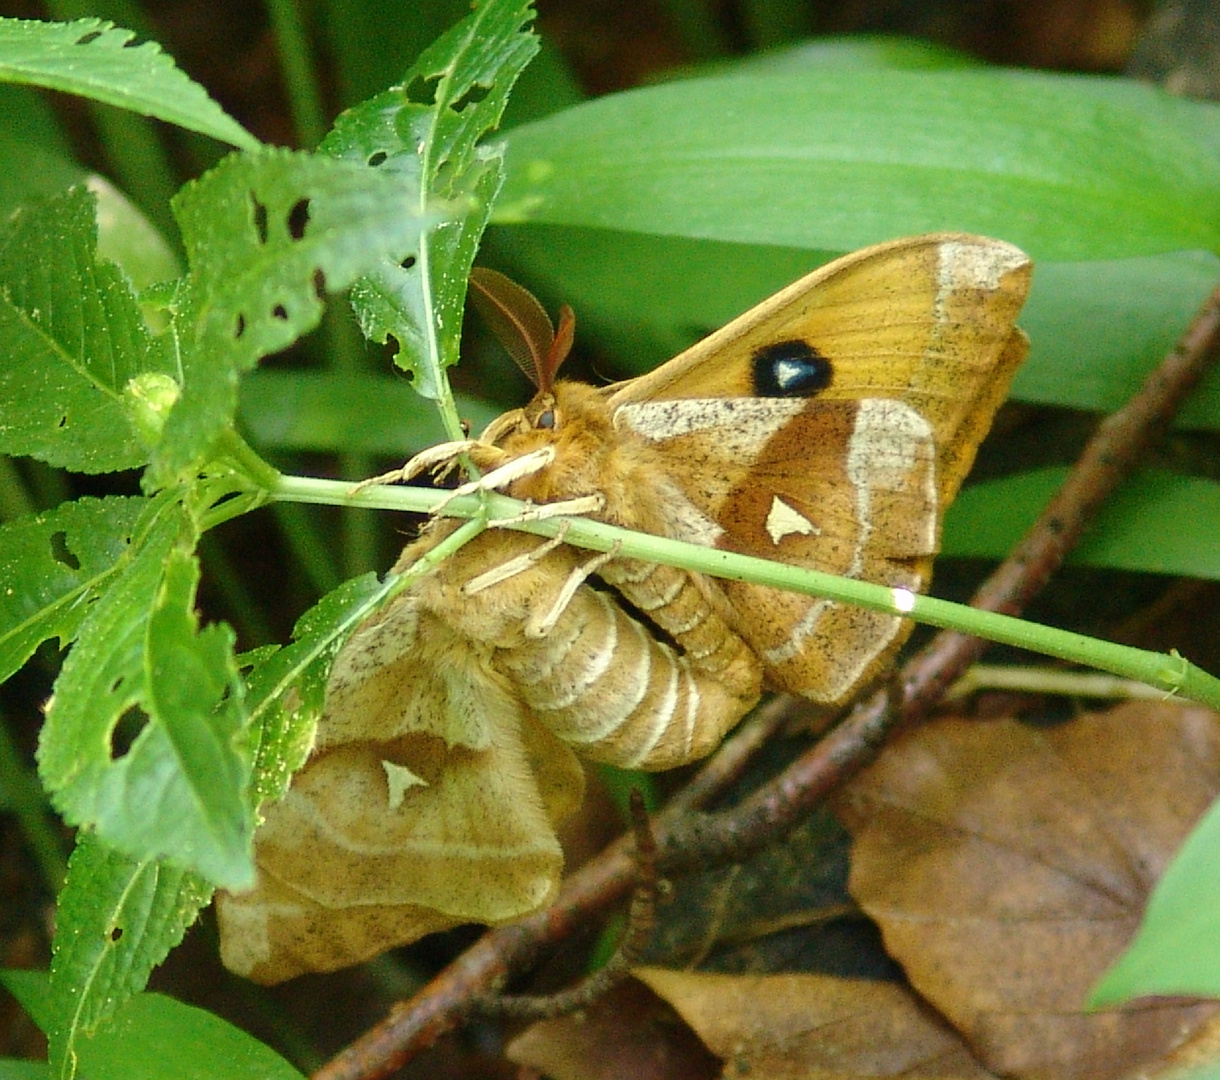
[239, 327]
[60, 551]
[116, 933]
[280, 312]
[378, 157]
[126, 731]
[408, 262]
[319, 284]
[260, 218]
[472, 97]
[298, 218]
[421, 91]
[88, 39]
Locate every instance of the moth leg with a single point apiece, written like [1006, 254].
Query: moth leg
[539, 628]
[526, 465]
[584, 504]
[512, 567]
[441, 455]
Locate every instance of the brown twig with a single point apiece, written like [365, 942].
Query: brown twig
[1106, 461]
[641, 921]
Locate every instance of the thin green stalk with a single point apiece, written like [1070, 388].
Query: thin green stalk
[1170, 673]
[25, 797]
[300, 81]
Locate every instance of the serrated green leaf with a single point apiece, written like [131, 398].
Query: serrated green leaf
[1158, 522]
[54, 566]
[1066, 167]
[73, 338]
[180, 789]
[93, 59]
[286, 689]
[117, 919]
[265, 234]
[1177, 948]
[429, 129]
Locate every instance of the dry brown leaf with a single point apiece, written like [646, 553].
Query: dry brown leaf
[799, 1027]
[628, 1033]
[1008, 866]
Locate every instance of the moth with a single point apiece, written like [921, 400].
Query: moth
[829, 427]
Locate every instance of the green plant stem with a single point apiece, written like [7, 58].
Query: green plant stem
[300, 81]
[1170, 673]
[29, 804]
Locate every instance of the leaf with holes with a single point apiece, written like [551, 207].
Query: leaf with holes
[95, 59]
[54, 566]
[266, 236]
[74, 342]
[284, 691]
[141, 673]
[116, 920]
[428, 129]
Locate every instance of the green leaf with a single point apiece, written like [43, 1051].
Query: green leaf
[93, 59]
[54, 566]
[73, 339]
[264, 235]
[1157, 522]
[117, 919]
[154, 1037]
[179, 790]
[286, 689]
[1177, 949]
[428, 129]
[1066, 167]
[11, 1069]
[340, 412]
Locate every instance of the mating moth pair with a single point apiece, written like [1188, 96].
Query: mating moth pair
[828, 428]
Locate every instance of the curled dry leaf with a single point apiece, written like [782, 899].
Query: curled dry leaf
[804, 1026]
[1008, 866]
[630, 1032]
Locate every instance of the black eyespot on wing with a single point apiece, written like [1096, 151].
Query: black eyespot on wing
[790, 369]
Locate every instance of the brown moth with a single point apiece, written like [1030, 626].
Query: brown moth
[829, 427]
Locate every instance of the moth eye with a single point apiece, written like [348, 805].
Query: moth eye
[546, 419]
[790, 369]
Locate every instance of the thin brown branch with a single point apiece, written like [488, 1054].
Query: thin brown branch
[1106, 462]
[641, 921]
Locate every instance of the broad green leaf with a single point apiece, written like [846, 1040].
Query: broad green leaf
[1066, 167]
[1158, 522]
[73, 339]
[1177, 949]
[11, 1069]
[428, 129]
[54, 566]
[265, 235]
[286, 690]
[154, 1037]
[117, 919]
[140, 658]
[93, 59]
[30, 170]
[863, 51]
[329, 411]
